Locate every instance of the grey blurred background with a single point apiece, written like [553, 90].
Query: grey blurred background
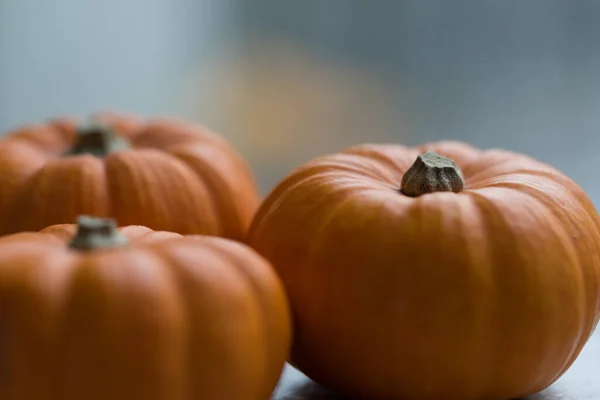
[288, 80]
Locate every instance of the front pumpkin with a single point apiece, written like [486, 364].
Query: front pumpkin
[416, 280]
[161, 173]
[137, 314]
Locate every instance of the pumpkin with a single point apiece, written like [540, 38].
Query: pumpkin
[92, 312]
[163, 173]
[437, 272]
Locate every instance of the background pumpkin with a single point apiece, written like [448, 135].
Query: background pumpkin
[489, 293]
[163, 173]
[166, 317]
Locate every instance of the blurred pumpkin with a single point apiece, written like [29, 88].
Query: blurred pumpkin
[137, 314]
[465, 274]
[163, 173]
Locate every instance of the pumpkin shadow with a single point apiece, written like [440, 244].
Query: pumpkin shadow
[546, 394]
[309, 390]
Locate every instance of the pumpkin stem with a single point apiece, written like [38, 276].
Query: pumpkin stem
[97, 139]
[96, 233]
[432, 173]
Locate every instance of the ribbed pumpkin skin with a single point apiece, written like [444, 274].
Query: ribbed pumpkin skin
[168, 318]
[177, 176]
[489, 293]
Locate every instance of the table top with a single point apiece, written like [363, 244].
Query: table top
[580, 382]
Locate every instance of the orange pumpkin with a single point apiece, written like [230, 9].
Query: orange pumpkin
[137, 314]
[162, 173]
[438, 272]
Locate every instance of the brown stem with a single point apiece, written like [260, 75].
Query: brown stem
[97, 139]
[96, 233]
[432, 173]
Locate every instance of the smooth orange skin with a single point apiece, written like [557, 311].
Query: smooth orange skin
[177, 177]
[166, 318]
[485, 294]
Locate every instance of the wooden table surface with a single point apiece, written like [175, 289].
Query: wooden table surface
[580, 382]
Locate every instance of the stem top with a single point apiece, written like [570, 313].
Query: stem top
[430, 173]
[97, 139]
[96, 233]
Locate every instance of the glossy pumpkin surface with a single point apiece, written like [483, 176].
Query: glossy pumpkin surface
[153, 316]
[485, 289]
[162, 173]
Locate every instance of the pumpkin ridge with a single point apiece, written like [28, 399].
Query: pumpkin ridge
[148, 169]
[558, 234]
[387, 161]
[183, 274]
[28, 277]
[95, 277]
[115, 178]
[180, 134]
[482, 164]
[348, 166]
[481, 180]
[37, 190]
[484, 206]
[557, 209]
[108, 188]
[266, 302]
[271, 204]
[15, 176]
[60, 305]
[134, 237]
[219, 218]
[233, 226]
[292, 179]
[319, 240]
[321, 237]
[287, 189]
[376, 171]
[491, 181]
[474, 256]
[159, 250]
[61, 232]
[47, 141]
[570, 186]
[553, 207]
